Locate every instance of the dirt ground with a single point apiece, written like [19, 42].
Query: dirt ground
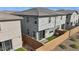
[69, 42]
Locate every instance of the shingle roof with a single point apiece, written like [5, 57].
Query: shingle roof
[5, 16]
[6, 11]
[78, 12]
[40, 11]
[66, 11]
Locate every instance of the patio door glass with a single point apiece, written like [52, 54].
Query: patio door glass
[6, 45]
[0, 46]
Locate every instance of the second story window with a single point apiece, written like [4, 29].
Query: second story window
[27, 19]
[35, 22]
[49, 19]
[61, 18]
[0, 27]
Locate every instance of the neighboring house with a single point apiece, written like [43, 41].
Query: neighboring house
[78, 18]
[10, 32]
[71, 18]
[41, 23]
[6, 11]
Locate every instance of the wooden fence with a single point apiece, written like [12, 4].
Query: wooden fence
[57, 41]
[27, 40]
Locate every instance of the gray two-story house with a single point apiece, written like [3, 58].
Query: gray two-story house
[41, 23]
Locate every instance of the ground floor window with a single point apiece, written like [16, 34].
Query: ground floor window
[34, 34]
[0, 46]
[62, 26]
[41, 34]
[6, 45]
[51, 30]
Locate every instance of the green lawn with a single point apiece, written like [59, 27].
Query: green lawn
[51, 38]
[20, 49]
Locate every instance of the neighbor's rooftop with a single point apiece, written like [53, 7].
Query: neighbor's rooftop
[6, 16]
[67, 11]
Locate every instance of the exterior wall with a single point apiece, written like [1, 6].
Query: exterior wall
[78, 19]
[11, 30]
[55, 21]
[43, 24]
[60, 21]
[29, 25]
[74, 18]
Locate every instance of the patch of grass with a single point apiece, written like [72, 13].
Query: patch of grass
[74, 46]
[20, 49]
[62, 46]
[51, 38]
[73, 39]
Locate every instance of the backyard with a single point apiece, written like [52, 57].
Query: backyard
[71, 44]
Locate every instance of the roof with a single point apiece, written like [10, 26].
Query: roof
[6, 11]
[40, 11]
[78, 12]
[67, 11]
[5, 16]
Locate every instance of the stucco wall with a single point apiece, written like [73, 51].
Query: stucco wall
[11, 30]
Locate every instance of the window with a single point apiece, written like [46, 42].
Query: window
[55, 18]
[49, 19]
[34, 35]
[76, 21]
[61, 18]
[35, 22]
[28, 31]
[0, 27]
[27, 19]
[62, 26]
[67, 23]
[35, 18]
[51, 30]
[6, 45]
[1, 46]
[67, 16]
[71, 23]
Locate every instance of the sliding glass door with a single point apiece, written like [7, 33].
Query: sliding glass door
[1, 46]
[6, 45]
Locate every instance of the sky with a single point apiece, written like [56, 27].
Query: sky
[25, 8]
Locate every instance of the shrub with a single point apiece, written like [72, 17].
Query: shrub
[72, 39]
[62, 46]
[74, 46]
[51, 38]
[20, 49]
